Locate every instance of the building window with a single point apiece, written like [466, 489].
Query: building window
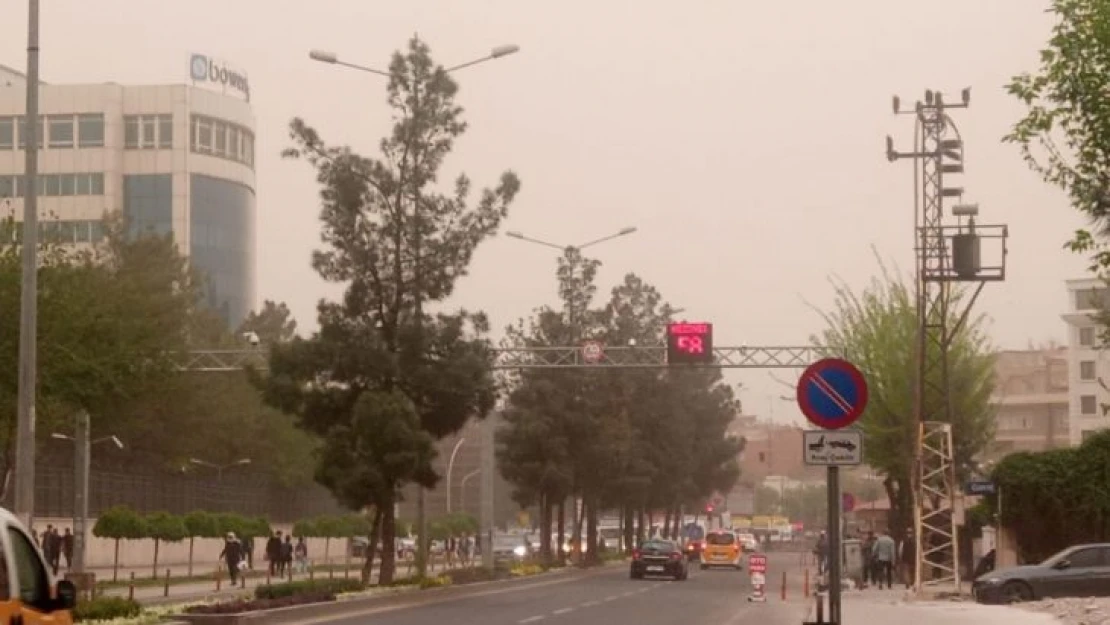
[147, 131]
[222, 139]
[131, 132]
[65, 232]
[55, 184]
[7, 133]
[1087, 370]
[90, 130]
[221, 232]
[1087, 337]
[148, 204]
[1090, 299]
[61, 131]
[24, 132]
[165, 131]
[1088, 404]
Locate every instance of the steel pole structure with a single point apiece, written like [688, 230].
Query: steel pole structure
[450, 469]
[945, 257]
[28, 312]
[82, 458]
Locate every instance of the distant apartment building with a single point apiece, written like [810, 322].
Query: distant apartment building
[1030, 401]
[1087, 366]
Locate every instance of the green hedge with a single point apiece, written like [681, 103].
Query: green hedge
[304, 587]
[106, 609]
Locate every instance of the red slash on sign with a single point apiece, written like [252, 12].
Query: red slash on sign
[757, 563]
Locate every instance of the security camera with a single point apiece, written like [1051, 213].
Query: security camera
[252, 338]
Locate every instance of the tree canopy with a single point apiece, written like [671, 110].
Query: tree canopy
[382, 378]
[635, 439]
[876, 330]
[1065, 133]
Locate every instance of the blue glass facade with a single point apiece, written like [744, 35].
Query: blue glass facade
[148, 204]
[221, 224]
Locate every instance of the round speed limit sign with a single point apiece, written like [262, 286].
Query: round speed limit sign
[592, 351]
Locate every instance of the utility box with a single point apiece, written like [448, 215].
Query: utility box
[852, 564]
[966, 255]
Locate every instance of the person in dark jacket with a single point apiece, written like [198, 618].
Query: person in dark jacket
[273, 552]
[232, 555]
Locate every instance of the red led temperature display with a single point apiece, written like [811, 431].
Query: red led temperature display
[689, 343]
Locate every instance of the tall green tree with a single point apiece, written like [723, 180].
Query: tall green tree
[1065, 133]
[395, 243]
[110, 322]
[274, 323]
[876, 329]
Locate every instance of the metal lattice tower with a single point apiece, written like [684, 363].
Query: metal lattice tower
[945, 256]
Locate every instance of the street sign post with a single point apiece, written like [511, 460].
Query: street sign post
[592, 351]
[832, 394]
[837, 448]
[757, 570]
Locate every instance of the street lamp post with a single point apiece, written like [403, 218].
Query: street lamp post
[29, 295]
[219, 467]
[81, 461]
[326, 56]
[462, 488]
[450, 469]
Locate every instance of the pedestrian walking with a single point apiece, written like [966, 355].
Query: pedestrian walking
[232, 555]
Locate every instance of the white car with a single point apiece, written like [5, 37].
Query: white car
[749, 542]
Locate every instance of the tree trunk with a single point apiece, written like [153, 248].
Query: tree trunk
[677, 526]
[667, 523]
[327, 550]
[650, 521]
[191, 539]
[545, 529]
[593, 552]
[641, 535]
[154, 569]
[389, 548]
[629, 528]
[562, 533]
[372, 547]
[115, 564]
[578, 522]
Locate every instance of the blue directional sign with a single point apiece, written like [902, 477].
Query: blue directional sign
[981, 487]
[832, 393]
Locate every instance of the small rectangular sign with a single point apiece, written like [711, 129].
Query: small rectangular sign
[832, 448]
[981, 487]
[757, 563]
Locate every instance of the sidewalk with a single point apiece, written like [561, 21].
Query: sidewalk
[891, 606]
[199, 591]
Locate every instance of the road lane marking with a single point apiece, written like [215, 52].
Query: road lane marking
[611, 598]
[530, 619]
[563, 610]
[590, 604]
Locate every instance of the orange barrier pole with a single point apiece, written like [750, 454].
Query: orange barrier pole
[784, 585]
[805, 584]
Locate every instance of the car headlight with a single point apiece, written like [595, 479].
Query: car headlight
[520, 551]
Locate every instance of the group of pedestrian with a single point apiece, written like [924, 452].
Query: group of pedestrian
[55, 546]
[280, 554]
[879, 555]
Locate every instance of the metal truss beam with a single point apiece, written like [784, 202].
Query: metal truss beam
[775, 357]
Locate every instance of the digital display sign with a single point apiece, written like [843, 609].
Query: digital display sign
[689, 343]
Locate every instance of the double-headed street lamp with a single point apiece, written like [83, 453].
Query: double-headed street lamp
[620, 233]
[220, 468]
[325, 56]
[81, 461]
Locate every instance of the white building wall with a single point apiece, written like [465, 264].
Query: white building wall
[1087, 364]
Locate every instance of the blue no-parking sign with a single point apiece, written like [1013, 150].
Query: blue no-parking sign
[832, 393]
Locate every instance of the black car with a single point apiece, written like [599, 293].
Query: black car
[1079, 571]
[658, 557]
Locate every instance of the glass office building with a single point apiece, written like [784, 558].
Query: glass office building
[177, 160]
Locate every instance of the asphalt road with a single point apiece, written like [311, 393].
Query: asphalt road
[607, 597]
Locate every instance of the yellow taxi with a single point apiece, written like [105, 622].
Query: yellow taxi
[722, 548]
[28, 592]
